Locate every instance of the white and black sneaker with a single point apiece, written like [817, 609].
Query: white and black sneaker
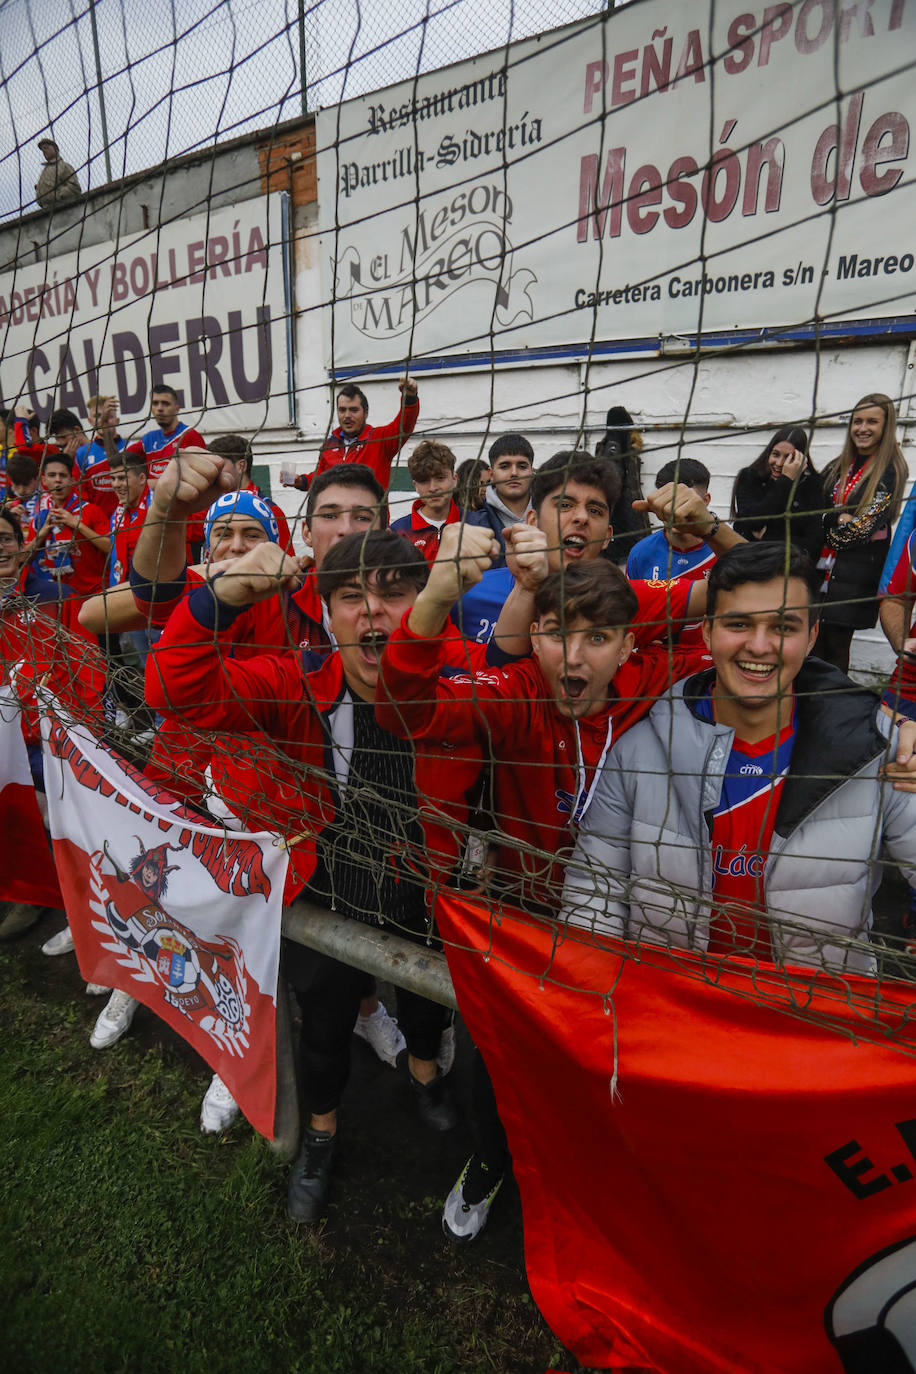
[467, 1206]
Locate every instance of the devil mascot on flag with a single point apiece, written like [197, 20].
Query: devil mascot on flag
[195, 975]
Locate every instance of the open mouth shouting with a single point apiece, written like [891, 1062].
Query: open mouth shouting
[758, 673]
[371, 644]
[574, 687]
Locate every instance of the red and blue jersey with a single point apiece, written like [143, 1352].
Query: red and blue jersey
[30, 442]
[902, 582]
[95, 476]
[654, 559]
[477, 612]
[742, 829]
[160, 447]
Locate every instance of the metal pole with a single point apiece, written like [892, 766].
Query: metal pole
[379, 951]
[285, 1144]
[98, 72]
[305, 108]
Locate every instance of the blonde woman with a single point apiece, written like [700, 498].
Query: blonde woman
[863, 489]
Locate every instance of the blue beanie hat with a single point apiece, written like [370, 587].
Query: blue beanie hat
[246, 503]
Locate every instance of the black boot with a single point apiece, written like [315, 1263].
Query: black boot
[435, 1103]
[310, 1178]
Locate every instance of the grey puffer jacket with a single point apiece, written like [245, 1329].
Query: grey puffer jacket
[642, 868]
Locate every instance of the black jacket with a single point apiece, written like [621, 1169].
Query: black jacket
[765, 503]
[629, 526]
[861, 549]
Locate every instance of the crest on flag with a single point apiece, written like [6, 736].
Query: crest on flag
[202, 979]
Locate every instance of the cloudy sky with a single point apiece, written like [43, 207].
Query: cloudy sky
[178, 74]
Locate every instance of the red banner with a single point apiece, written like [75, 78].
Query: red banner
[27, 872]
[716, 1164]
[185, 917]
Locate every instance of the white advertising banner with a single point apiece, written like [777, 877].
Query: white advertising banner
[199, 303]
[659, 170]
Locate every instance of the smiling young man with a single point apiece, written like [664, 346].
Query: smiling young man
[746, 815]
[345, 785]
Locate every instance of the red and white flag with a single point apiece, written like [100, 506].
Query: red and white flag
[27, 872]
[717, 1162]
[183, 916]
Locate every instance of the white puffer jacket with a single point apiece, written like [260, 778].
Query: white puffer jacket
[642, 868]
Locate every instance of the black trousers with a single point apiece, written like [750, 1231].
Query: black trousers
[329, 993]
[486, 1128]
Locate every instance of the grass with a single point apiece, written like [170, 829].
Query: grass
[132, 1243]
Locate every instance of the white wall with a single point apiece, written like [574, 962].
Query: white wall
[722, 410]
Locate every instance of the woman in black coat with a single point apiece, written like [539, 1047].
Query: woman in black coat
[781, 495]
[622, 446]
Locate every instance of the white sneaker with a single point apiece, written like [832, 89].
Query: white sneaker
[96, 989]
[114, 1019]
[218, 1109]
[381, 1031]
[446, 1056]
[61, 943]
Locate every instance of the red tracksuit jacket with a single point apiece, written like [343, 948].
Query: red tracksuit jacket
[377, 446]
[544, 765]
[284, 782]
[182, 752]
